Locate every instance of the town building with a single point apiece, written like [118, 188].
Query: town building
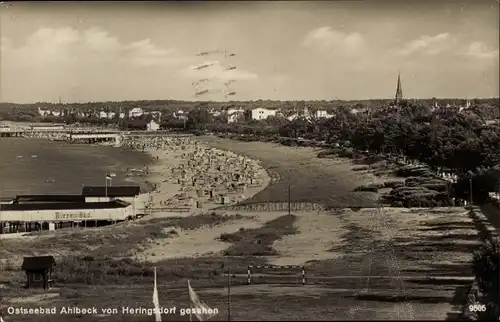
[320, 114]
[235, 114]
[261, 113]
[399, 92]
[50, 212]
[180, 115]
[128, 194]
[153, 126]
[135, 112]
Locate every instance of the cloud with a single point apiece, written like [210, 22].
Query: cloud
[328, 39]
[63, 46]
[480, 50]
[428, 45]
[217, 71]
[5, 44]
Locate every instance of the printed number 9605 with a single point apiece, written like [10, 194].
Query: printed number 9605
[477, 308]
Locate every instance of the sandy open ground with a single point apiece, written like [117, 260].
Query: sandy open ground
[319, 232]
[203, 241]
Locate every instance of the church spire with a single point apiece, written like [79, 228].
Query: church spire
[399, 91]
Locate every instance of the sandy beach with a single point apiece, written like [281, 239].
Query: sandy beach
[174, 179]
[173, 175]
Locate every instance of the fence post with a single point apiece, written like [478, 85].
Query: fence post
[249, 275]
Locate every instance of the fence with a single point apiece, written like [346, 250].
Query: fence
[166, 209]
[303, 272]
[275, 206]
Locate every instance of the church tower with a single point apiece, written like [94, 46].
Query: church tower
[399, 91]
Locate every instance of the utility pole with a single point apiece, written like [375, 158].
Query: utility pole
[470, 191]
[498, 188]
[229, 294]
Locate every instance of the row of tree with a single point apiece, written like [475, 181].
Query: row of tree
[29, 112]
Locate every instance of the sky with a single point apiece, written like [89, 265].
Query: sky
[327, 50]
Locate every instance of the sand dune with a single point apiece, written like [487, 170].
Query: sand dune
[203, 241]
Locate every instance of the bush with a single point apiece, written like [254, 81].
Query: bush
[392, 184]
[371, 187]
[366, 189]
[363, 168]
[413, 172]
[325, 154]
[258, 242]
[346, 153]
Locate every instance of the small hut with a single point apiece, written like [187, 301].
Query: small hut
[38, 271]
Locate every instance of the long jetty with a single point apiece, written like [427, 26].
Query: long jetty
[79, 135]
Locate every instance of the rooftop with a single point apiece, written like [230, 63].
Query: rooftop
[37, 263]
[48, 198]
[114, 191]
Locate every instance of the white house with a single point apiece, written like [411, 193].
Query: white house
[262, 113]
[215, 113]
[103, 115]
[180, 115]
[293, 117]
[43, 112]
[322, 114]
[234, 114]
[135, 112]
[156, 114]
[153, 126]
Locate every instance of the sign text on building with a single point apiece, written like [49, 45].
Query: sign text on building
[72, 216]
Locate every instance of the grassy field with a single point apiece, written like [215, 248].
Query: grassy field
[392, 263]
[406, 263]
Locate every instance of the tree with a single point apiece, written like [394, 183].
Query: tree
[198, 118]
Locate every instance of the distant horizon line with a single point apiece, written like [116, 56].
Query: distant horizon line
[255, 100]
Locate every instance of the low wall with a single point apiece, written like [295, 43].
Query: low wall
[486, 233]
[274, 206]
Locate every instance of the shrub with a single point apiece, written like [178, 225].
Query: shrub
[346, 153]
[360, 168]
[392, 184]
[371, 187]
[325, 154]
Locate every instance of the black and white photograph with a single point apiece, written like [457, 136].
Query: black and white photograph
[249, 160]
